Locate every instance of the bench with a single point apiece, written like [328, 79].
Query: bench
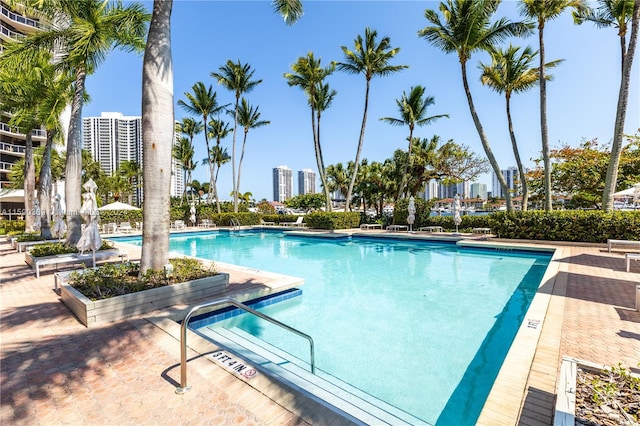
[73, 258]
[431, 228]
[397, 228]
[370, 226]
[632, 243]
[481, 230]
[628, 257]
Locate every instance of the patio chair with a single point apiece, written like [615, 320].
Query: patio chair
[296, 223]
[125, 227]
[179, 224]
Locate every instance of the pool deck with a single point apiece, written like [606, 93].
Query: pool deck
[56, 371]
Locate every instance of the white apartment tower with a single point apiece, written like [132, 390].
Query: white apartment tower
[15, 24]
[282, 183]
[114, 138]
[306, 182]
[479, 190]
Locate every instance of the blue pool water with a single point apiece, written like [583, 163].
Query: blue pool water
[421, 325]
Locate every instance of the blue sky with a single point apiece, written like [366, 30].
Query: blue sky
[581, 98]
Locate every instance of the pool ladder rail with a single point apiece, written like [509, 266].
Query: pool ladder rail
[224, 301]
[235, 224]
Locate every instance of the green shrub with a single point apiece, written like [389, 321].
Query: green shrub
[115, 279]
[11, 227]
[29, 237]
[332, 220]
[52, 249]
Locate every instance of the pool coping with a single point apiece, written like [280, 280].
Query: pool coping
[505, 400]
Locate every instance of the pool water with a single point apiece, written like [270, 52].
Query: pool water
[424, 326]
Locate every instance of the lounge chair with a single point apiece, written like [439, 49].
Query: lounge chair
[125, 227]
[206, 223]
[263, 223]
[179, 224]
[296, 223]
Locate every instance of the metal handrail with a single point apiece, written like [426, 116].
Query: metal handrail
[227, 300]
[236, 224]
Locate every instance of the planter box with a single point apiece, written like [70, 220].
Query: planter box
[119, 307]
[72, 259]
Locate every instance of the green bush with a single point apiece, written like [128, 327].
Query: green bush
[29, 237]
[116, 279]
[592, 226]
[332, 220]
[52, 249]
[11, 227]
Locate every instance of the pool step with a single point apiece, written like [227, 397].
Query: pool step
[356, 404]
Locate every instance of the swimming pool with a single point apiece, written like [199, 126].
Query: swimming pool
[421, 325]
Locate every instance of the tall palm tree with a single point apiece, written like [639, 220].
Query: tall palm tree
[248, 118]
[413, 112]
[87, 31]
[543, 11]
[467, 29]
[157, 101]
[370, 58]
[157, 135]
[218, 130]
[338, 178]
[132, 172]
[189, 128]
[309, 75]
[203, 101]
[618, 14]
[510, 72]
[183, 153]
[236, 77]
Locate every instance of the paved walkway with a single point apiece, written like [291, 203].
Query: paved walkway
[56, 371]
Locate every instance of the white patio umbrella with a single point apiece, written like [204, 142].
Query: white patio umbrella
[117, 205]
[38, 214]
[456, 211]
[59, 227]
[90, 239]
[412, 213]
[192, 218]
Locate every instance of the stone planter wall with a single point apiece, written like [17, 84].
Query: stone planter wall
[119, 307]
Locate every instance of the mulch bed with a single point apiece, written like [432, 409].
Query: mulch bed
[607, 398]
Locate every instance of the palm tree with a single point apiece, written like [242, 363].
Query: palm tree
[132, 172]
[237, 78]
[157, 118]
[309, 75]
[371, 59]
[510, 72]
[248, 118]
[617, 14]
[218, 130]
[203, 102]
[413, 111]
[183, 153]
[89, 30]
[337, 178]
[467, 29]
[222, 157]
[543, 11]
[157, 135]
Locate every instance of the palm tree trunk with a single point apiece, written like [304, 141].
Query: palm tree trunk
[244, 142]
[621, 112]
[359, 151]
[157, 130]
[44, 191]
[73, 169]
[233, 157]
[322, 171]
[403, 182]
[483, 139]
[516, 153]
[546, 160]
[29, 183]
[215, 178]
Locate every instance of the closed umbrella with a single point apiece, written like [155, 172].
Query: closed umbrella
[456, 211]
[37, 213]
[59, 227]
[412, 213]
[90, 239]
[192, 218]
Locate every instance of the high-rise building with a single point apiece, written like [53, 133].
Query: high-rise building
[15, 24]
[431, 190]
[282, 183]
[114, 138]
[511, 176]
[479, 190]
[306, 182]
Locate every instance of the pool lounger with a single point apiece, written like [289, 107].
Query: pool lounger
[632, 243]
[75, 258]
